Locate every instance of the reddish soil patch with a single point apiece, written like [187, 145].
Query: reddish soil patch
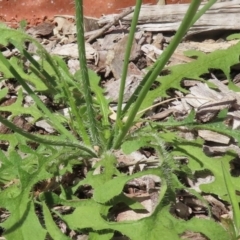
[39, 10]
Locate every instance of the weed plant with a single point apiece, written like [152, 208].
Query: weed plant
[33, 180]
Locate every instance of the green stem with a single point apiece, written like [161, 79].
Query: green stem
[203, 10]
[143, 82]
[84, 71]
[185, 25]
[232, 196]
[45, 141]
[41, 73]
[127, 56]
[118, 124]
[80, 129]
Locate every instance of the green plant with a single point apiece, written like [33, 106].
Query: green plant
[81, 140]
[233, 225]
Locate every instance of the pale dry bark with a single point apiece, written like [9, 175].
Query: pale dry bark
[158, 18]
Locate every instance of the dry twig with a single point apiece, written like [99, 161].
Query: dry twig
[106, 27]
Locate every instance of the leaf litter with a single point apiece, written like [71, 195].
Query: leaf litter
[208, 96]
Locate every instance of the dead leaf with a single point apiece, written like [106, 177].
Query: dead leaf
[116, 64]
[45, 125]
[42, 29]
[113, 87]
[71, 50]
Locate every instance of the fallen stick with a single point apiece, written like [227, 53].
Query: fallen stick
[115, 19]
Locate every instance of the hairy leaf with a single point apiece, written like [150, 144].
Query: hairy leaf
[23, 222]
[51, 227]
[114, 187]
[220, 59]
[17, 108]
[198, 161]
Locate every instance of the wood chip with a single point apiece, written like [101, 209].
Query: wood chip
[213, 136]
